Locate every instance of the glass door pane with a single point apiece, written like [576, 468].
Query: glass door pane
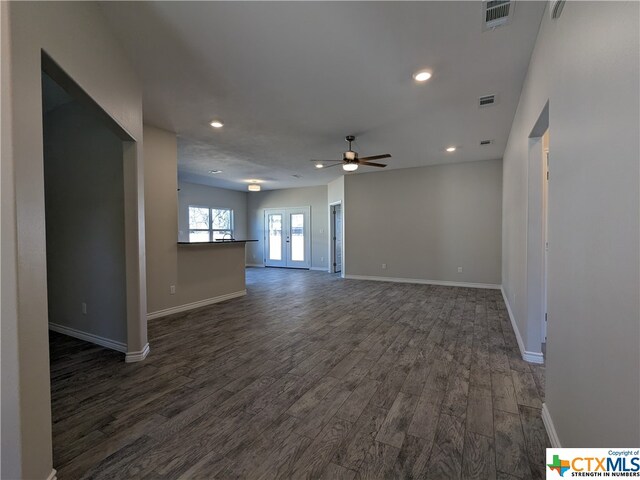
[274, 221]
[297, 237]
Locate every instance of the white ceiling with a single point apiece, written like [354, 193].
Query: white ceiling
[290, 80]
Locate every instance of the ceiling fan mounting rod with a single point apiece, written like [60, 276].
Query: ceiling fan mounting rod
[350, 138]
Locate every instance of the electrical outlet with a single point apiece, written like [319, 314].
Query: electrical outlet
[384, 266]
[459, 269]
[84, 308]
[172, 289]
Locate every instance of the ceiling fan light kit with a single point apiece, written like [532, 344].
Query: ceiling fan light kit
[350, 160]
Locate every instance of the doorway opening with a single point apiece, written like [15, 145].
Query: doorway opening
[335, 248]
[84, 220]
[287, 239]
[537, 238]
[87, 162]
[545, 227]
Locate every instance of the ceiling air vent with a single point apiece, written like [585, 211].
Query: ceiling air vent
[556, 7]
[496, 13]
[486, 142]
[486, 100]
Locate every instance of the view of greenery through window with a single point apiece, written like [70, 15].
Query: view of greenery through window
[207, 224]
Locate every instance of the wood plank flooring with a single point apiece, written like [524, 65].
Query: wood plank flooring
[308, 376]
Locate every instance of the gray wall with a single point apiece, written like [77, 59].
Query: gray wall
[585, 64]
[10, 427]
[70, 34]
[335, 190]
[84, 201]
[203, 195]
[161, 216]
[426, 222]
[198, 273]
[315, 197]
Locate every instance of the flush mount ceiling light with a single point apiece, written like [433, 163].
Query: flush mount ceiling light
[451, 149]
[254, 185]
[422, 76]
[217, 124]
[215, 172]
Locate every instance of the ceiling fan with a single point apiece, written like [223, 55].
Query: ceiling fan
[350, 160]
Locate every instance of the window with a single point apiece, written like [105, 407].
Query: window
[208, 224]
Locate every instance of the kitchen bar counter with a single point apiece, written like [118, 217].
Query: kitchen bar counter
[216, 242]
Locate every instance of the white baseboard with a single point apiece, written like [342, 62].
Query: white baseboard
[52, 475]
[89, 337]
[319, 269]
[533, 357]
[527, 356]
[132, 357]
[256, 265]
[191, 306]
[550, 427]
[423, 282]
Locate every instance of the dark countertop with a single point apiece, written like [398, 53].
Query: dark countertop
[216, 242]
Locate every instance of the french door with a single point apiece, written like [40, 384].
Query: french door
[287, 242]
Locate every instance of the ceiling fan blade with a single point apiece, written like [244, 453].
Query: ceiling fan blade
[323, 161]
[376, 157]
[371, 164]
[329, 166]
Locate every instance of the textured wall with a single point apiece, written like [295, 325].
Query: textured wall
[424, 223]
[586, 65]
[71, 34]
[84, 198]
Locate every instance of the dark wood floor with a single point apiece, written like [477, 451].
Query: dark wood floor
[308, 376]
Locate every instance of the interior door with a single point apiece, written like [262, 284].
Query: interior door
[287, 239]
[337, 238]
[545, 223]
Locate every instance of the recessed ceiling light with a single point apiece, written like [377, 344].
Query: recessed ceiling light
[217, 124]
[422, 76]
[451, 149]
[215, 172]
[319, 165]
